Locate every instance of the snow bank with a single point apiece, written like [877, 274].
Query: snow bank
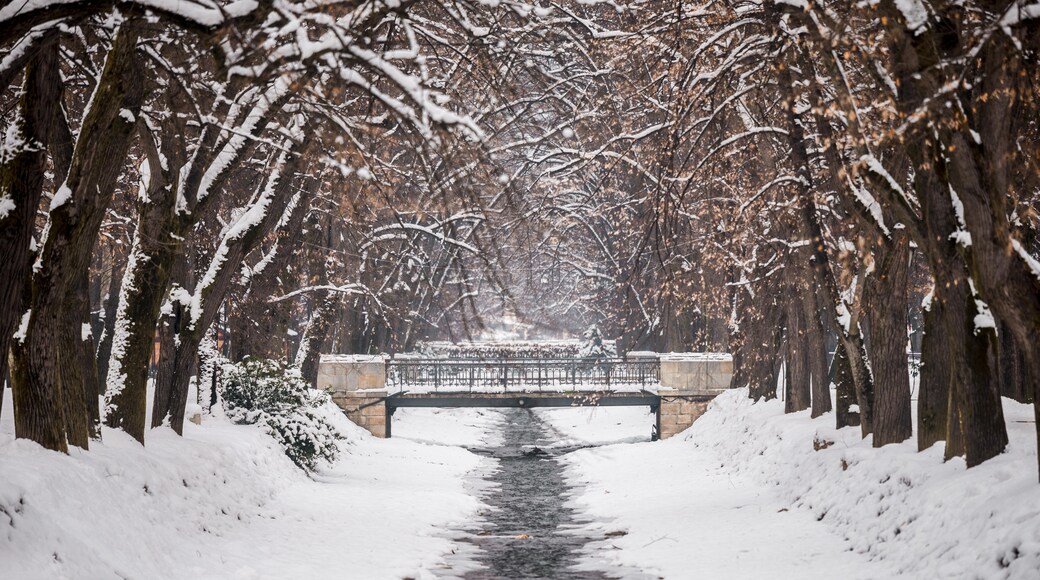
[743, 491]
[225, 502]
[923, 516]
[462, 427]
[599, 425]
[121, 510]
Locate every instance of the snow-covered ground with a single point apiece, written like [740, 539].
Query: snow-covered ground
[599, 425]
[743, 493]
[461, 427]
[224, 502]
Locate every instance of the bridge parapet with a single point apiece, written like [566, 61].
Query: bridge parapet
[688, 382]
[357, 384]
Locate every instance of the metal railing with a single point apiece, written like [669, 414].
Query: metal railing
[468, 374]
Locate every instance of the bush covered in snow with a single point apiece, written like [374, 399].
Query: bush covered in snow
[263, 392]
[593, 346]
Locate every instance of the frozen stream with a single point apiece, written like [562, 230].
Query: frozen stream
[529, 532]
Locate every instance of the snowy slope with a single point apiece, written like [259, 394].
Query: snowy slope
[743, 491]
[599, 425]
[224, 502]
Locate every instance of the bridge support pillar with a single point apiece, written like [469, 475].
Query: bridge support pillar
[357, 384]
[689, 381]
[679, 409]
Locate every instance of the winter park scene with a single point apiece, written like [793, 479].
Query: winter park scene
[519, 289]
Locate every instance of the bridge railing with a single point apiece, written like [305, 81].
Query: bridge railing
[476, 374]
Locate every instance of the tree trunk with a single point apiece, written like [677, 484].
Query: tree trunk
[37, 407]
[797, 374]
[79, 366]
[946, 171]
[76, 214]
[170, 327]
[934, 387]
[816, 343]
[145, 283]
[762, 349]
[209, 293]
[111, 305]
[314, 337]
[841, 375]
[1014, 375]
[262, 327]
[887, 316]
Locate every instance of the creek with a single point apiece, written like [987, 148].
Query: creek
[530, 531]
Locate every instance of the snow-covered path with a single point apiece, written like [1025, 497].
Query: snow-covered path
[386, 511]
[752, 492]
[685, 517]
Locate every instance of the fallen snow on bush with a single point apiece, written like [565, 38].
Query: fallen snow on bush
[225, 502]
[743, 492]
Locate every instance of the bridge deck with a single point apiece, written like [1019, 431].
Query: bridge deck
[527, 400]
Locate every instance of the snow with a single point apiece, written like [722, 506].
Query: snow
[61, 197]
[461, 427]
[1031, 262]
[718, 497]
[599, 425]
[224, 502]
[914, 12]
[6, 206]
[23, 326]
[739, 495]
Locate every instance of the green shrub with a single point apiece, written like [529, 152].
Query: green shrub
[263, 392]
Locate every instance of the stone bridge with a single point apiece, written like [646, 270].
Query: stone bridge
[676, 387]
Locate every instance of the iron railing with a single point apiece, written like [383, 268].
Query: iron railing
[561, 374]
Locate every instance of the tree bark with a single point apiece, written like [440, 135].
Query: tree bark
[144, 286]
[797, 374]
[37, 407]
[887, 316]
[944, 175]
[74, 219]
[841, 375]
[314, 336]
[160, 238]
[111, 306]
[261, 328]
[934, 387]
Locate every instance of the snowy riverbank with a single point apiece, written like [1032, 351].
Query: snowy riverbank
[743, 492]
[224, 502]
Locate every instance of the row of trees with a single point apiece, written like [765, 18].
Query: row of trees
[279, 167]
[776, 179]
[788, 178]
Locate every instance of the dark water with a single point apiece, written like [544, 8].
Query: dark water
[527, 532]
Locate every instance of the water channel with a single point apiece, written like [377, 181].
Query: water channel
[530, 531]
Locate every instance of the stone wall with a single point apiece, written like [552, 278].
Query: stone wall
[357, 384]
[688, 383]
[678, 412]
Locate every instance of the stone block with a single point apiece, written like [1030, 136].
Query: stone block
[675, 420]
[374, 411]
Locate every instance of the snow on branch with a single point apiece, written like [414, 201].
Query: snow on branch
[345, 289]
